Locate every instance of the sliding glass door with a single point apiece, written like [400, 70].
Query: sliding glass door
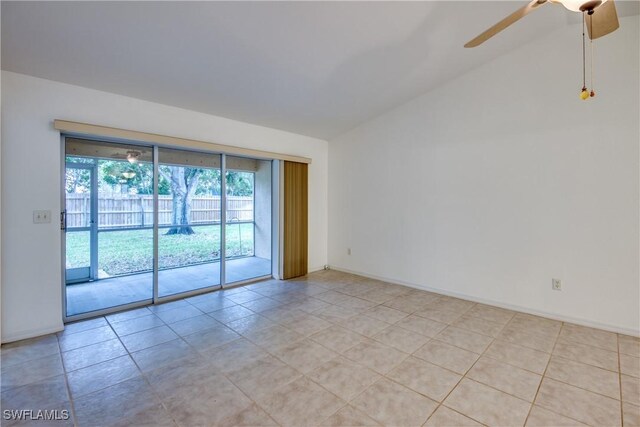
[144, 224]
[189, 222]
[81, 220]
[248, 219]
[108, 225]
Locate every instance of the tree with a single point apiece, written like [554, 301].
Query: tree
[184, 182]
[77, 180]
[210, 183]
[239, 183]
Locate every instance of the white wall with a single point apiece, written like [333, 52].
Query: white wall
[31, 254]
[262, 198]
[501, 180]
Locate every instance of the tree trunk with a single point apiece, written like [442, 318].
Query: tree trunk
[183, 186]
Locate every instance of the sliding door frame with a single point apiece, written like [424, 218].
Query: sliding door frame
[156, 298]
[223, 220]
[156, 227]
[92, 228]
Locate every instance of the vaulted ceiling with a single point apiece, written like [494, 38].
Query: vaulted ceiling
[314, 68]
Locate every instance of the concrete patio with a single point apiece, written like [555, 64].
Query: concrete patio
[112, 292]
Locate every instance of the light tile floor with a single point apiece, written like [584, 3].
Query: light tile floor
[329, 349]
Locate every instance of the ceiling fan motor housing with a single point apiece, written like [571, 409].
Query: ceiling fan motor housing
[580, 5]
[590, 6]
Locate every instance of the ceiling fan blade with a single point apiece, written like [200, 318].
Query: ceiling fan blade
[603, 21]
[515, 16]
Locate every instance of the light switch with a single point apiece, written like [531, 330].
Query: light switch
[41, 217]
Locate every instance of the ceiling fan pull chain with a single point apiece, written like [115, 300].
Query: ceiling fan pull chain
[593, 92]
[584, 94]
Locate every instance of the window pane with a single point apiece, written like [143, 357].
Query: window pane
[189, 221]
[109, 234]
[248, 227]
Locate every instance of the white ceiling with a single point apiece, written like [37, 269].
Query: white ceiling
[314, 68]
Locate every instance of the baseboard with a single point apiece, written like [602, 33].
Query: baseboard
[32, 333]
[554, 316]
[314, 269]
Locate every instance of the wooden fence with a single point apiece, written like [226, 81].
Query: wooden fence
[130, 211]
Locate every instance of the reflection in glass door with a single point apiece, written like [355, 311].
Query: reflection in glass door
[188, 222]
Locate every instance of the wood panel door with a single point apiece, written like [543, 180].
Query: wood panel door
[295, 251]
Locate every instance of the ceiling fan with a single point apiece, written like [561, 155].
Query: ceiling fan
[603, 19]
[603, 15]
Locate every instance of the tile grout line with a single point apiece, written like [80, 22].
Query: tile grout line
[620, 381]
[462, 377]
[66, 381]
[245, 394]
[506, 362]
[544, 374]
[123, 346]
[347, 403]
[288, 305]
[541, 375]
[566, 383]
[141, 372]
[303, 375]
[144, 374]
[493, 339]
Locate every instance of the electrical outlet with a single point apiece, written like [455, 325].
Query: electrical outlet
[348, 251]
[556, 284]
[41, 217]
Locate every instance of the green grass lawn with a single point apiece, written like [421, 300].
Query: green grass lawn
[131, 251]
